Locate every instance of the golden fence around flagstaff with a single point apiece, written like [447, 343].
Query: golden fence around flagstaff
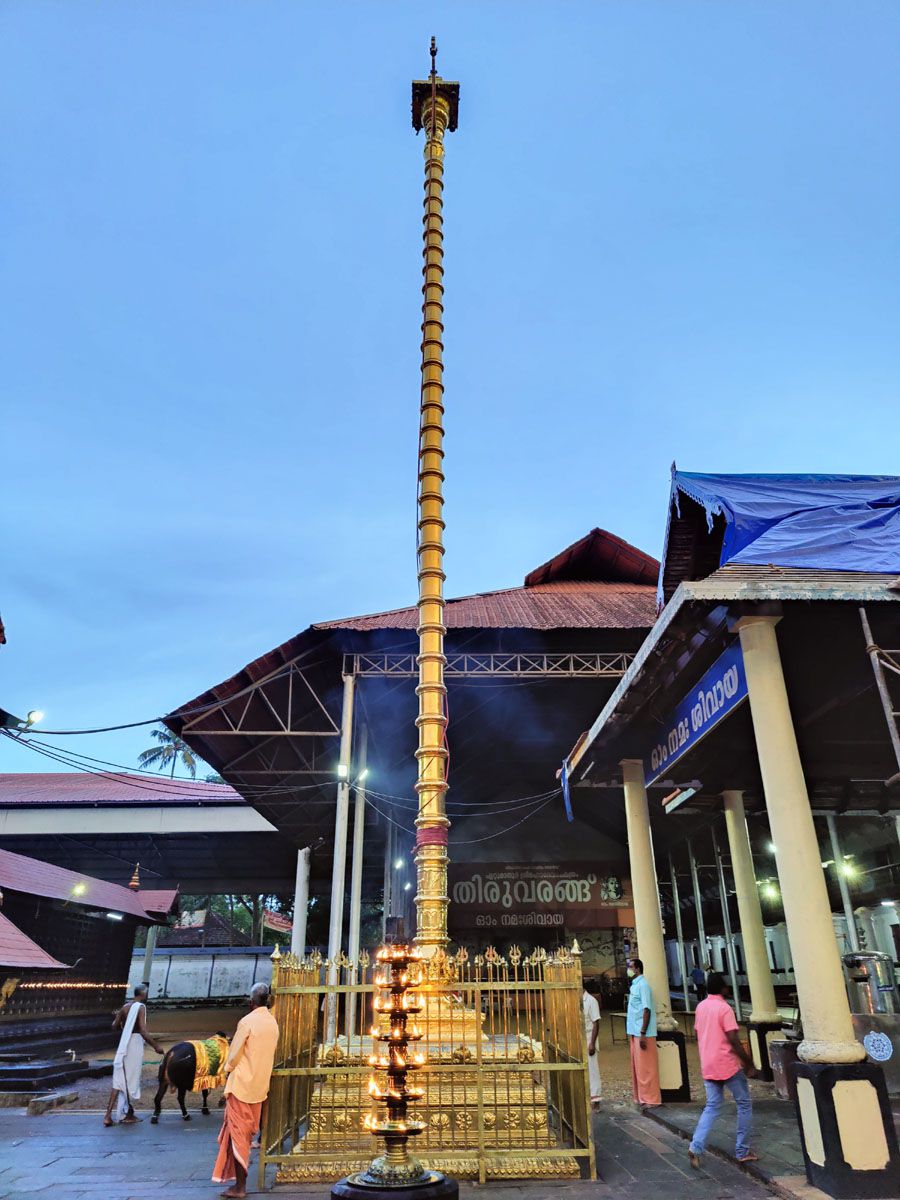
[505, 1076]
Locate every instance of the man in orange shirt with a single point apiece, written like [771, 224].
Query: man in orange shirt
[249, 1070]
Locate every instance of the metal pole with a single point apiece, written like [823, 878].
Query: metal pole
[388, 868]
[682, 960]
[852, 938]
[726, 922]
[152, 935]
[336, 918]
[881, 683]
[359, 829]
[698, 906]
[301, 903]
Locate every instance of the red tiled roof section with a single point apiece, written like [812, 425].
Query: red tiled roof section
[215, 931]
[159, 903]
[36, 790]
[563, 605]
[36, 878]
[18, 950]
[598, 557]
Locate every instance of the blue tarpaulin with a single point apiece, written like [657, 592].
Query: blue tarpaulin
[830, 522]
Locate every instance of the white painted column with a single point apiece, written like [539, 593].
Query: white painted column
[838, 856]
[301, 903]
[827, 1027]
[647, 919]
[759, 976]
[152, 935]
[728, 939]
[339, 869]
[356, 871]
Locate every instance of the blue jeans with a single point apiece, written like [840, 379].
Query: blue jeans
[715, 1097]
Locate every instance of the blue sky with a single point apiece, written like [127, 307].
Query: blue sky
[671, 234]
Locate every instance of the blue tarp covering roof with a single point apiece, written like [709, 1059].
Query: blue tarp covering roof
[829, 522]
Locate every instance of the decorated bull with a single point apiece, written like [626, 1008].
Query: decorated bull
[191, 1067]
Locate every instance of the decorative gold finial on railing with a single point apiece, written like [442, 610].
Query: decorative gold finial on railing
[276, 953]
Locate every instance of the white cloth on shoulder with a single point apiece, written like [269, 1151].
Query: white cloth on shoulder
[128, 1063]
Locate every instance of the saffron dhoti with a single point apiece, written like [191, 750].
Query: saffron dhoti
[645, 1071]
[239, 1125]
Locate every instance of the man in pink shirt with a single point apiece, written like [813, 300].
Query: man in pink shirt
[723, 1063]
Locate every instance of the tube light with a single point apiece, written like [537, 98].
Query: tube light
[111, 916]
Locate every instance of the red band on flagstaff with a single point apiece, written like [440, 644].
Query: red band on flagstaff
[434, 835]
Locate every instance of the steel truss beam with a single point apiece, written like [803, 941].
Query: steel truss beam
[283, 722]
[517, 665]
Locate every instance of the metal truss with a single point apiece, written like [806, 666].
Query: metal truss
[282, 698]
[517, 665]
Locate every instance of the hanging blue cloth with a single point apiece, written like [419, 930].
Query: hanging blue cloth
[830, 522]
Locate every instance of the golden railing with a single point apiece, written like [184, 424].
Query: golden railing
[506, 1086]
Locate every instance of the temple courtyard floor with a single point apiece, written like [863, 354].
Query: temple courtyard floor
[68, 1154]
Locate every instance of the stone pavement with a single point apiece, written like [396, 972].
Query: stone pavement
[70, 1156]
[776, 1139]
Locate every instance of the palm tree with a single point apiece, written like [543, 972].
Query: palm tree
[169, 751]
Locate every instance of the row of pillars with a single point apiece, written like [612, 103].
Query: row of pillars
[828, 1029]
[351, 776]
[848, 1137]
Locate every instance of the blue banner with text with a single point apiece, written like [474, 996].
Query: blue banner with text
[719, 692]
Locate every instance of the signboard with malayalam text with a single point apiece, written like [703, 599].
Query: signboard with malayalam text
[719, 692]
[514, 898]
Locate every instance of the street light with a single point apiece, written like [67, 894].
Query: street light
[9, 721]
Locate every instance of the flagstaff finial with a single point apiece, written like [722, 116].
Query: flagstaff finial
[433, 58]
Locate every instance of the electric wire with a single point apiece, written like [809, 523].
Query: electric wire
[155, 784]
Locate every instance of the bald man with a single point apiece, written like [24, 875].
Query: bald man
[249, 1070]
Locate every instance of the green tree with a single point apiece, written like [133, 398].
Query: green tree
[167, 754]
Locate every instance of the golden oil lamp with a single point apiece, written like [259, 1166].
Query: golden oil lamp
[396, 1002]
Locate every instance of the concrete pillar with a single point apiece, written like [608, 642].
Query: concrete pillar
[838, 856]
[647, 919]
[356, 870]
[849, 1141]
[338, 873]
[673, 1077]
[824, 1007]
[152, 935]
[730, 956]
[301, 903]
[765, 1021]
[759, 975]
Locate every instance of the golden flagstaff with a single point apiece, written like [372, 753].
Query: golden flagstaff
[435, 104]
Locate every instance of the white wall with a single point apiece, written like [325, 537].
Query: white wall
[198, 974]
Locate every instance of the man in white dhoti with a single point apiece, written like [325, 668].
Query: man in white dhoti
[591, 1011]
[128, 1064]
